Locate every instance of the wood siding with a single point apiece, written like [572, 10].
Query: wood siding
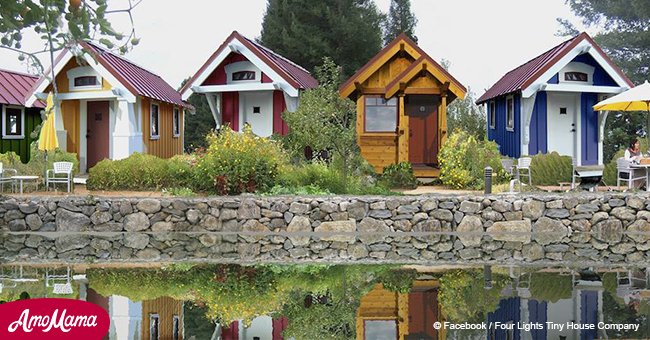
[166, 308]
[63, 84]
[166, 145]
[22, 146]
[509, 141]
[381, 304]
[70, 113]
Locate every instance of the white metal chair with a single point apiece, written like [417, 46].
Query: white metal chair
[62, 173]
[523, 163]
[61, 284]
[625, 173]
[5, 177]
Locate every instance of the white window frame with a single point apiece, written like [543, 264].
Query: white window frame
[509, 112]
[4, 122]
[83, 71]
[174, 329]
[176, 125]
[492, 106]
[151, 317]
[151, 135]
[240, 66]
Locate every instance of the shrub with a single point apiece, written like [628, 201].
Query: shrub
[315, 174]
[398, 281]
[550, 169]
[136, 172]
[37, 165]
[399, 176]
[239, 162]
[463, 159]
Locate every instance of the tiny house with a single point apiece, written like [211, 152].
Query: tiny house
[109, 107]
[546, 104]
[247, 83]
[18, 121]
[402, 96]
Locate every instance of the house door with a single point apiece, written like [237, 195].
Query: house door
[423, 129]
[562, 124]
[423, 313]
[97, 121]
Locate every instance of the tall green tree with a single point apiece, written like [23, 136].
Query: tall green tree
[400, 20]
[305, 31]
[624, 27]
[464, 114]
[199, 124]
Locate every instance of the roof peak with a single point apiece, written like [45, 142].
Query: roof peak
[257, 44]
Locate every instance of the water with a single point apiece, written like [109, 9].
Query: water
[351, 301]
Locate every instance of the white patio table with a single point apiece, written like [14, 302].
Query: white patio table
[21, 179]
[647, 173]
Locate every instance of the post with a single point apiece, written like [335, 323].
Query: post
[488, 180]
[402, 132]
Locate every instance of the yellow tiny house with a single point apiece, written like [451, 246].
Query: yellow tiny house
[402, 96]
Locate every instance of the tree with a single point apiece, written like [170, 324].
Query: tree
[324, 120]
[400, 20]
[305, 31]
[464, 114]
[199, 124]
[625, 36]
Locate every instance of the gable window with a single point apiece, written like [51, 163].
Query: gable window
[510, 114]
[493, 115]
[12, 122]
[85, 81]
[154, 122]
[177, 122]
[176, 328]
[154, 325]
[576, 76]
[84, 78]
[243, 75]
[380, 114]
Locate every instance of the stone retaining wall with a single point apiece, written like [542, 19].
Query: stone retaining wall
[592, 229]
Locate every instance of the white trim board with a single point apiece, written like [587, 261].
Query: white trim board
[581, 88]
[236, 88]
[583, 47]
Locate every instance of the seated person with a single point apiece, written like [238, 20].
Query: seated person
[633, 153]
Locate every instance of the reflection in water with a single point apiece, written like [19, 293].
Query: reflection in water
[347, 302]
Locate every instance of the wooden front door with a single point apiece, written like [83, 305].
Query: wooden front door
[97, 132]
[423, 312]
[423, 129]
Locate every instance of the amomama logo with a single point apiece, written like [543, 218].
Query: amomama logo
[52, 319]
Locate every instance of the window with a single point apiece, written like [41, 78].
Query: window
[380, 329]
[243, 75]
[510, 114]
[256, 109]
[380, 114]
[154, 325]
[576, 76]
[493, 115]
[154, 116]
[177, 122]
[12, 122]
[85, 81]
[176, 328]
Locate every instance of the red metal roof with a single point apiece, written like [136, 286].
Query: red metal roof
[291, 72]
[524, 75]
[15, 87]
[137, 79]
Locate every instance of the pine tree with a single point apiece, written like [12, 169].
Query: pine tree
[400, 20]
[306, 31]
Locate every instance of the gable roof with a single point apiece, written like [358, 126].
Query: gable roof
[524, 75]
[15, 87]
[136, 79]
[409, 46]
[292, 73]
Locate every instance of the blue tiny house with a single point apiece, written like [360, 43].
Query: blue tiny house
[546, 104]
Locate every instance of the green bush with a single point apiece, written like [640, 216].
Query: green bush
[37, 165]
[136, 172]
[398, 281]
[399, 176]
[550, 169]
[316, 174]
[463, 160]
[239, 162]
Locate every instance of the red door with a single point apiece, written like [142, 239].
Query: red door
[423, 312]
[97, 134]
[423, 129]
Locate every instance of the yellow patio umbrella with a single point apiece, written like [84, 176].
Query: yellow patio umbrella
[47, 140]
[634, 99]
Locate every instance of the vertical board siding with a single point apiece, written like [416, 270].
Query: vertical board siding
[166, 308]
[509, 141]
[538, 126]
[22, 146]
[589, 121]
[279, 106]
[167, 145]
[589, 313]
[230, 109]
[508, 311]
[70, 113]
[537, 312]
[554, 79]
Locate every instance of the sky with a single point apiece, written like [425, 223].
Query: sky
[482, 39]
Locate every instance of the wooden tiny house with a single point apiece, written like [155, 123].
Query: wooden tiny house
[402, 96]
